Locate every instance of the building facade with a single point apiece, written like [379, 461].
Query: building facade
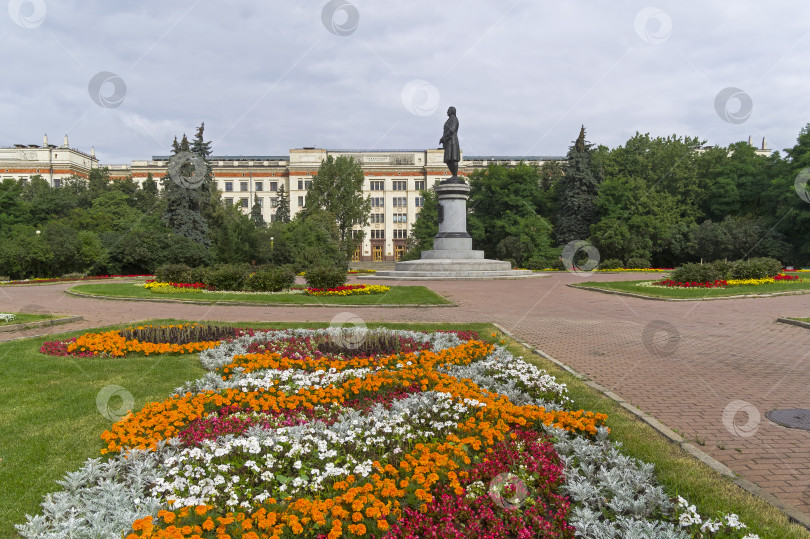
[54, 163]
[393, 181]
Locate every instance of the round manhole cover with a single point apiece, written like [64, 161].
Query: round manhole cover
[797, 418]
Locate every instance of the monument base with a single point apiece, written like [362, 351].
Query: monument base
[445, 265]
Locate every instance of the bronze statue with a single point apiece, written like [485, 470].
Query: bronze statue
[449, 141]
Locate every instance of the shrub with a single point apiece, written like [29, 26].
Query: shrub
[723, 268]
[229, 276]
[611, 263]
[271, 279]
[173, 273]
[696, 273]
[325, 277]
[636, 262]
[201, 274]
[755, 268]
[536, 263]
[73, 276]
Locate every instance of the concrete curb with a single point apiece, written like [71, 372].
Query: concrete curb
[793, 513]
[40, 324]
[641, 296]
[794, 322]
[245, 304]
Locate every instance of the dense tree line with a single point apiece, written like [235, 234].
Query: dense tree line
[660, 201]
[99, 227]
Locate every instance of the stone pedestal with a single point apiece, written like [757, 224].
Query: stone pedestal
[452, 256]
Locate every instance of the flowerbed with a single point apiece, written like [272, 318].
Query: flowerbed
[720, 283]
[349, 290]
[175, 288]
[182, 339]
[59, 279]
[432, 436]
[7, 317]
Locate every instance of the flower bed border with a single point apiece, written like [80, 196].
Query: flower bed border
[40, 323]
[245, 303]
[660, 298]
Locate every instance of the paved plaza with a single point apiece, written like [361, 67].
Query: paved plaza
[684, 363]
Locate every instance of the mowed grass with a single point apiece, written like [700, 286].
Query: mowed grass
[398, 295]
[698, 293]
[22, 318]
[50, 423]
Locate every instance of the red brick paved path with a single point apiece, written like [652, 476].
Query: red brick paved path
[713, 354]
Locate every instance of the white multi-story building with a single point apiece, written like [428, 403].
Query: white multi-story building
[393, 180]
[54, 163]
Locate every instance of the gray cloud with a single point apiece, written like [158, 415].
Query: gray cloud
[268, 76]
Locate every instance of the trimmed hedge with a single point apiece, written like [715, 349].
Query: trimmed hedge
[755, 268]
[174, 273]
[636, 262]
[229, 276]
[272, 279]
[611, 263]
[325, 277]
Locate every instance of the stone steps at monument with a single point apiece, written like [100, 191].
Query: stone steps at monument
[451, 275]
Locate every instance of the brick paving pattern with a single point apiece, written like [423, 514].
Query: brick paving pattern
[684, 363]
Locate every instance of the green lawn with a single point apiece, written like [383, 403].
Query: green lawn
[50, 424]
[22, 318]
[697, 293]
[398, 295]
[802, 319]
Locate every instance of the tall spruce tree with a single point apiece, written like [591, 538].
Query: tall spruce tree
[256, 213]
[185, 197]
[283, 208]
[577, 191]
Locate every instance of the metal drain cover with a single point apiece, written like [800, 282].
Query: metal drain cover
[797, 418]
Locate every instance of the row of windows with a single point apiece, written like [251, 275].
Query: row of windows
[396, 185]
[400, 234]
[257, 186]
[376, 185]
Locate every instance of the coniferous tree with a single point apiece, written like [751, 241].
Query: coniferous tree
[283, 208]
[256, 213]
[577, 192]
[184, 196]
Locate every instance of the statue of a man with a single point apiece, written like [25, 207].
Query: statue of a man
[449, 141]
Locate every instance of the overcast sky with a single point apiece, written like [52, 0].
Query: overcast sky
[267, 76]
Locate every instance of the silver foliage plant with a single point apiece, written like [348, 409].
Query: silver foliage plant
[102, 499]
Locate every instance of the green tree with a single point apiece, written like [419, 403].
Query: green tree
[308, 241]
[425, 226]
[504, 219]
[337, 188]
[283, 208]
[256, 213]
[185, 199]
[577, 194]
